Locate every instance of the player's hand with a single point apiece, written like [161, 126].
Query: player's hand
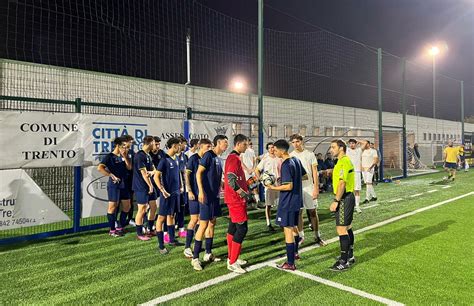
[150, 189]
[315, 194]
[271, 187]
[191, 196]
[333, 206]
[165, 193]
[151, 173]
[115, 179]
[123, 152]
[181, 190]
[201, 197]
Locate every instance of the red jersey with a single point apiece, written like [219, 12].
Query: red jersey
[234, 165]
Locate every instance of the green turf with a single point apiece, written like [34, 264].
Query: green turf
[95, 268]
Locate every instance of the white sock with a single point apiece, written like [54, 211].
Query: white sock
[301, 234]
[268, 222]
[373, 191]
[357, 200]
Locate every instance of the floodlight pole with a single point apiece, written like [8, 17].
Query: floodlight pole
[404, 119]
[462, 112]
[379, 98]
[260, 77]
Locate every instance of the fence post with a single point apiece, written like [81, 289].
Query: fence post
[379, 99]
[404, 119]
[77, 186]
[462, 112]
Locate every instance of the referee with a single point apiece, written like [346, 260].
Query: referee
[343, 204]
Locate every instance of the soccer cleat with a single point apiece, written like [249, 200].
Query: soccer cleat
[240, 262]
[132, 223]
[351, 260]
[270, 228]
[340, 265]
[210, 258]
[358, 210]
[373, 199]
[176, 243]
[297, 257]
[166, 238]
[114, 234]
[286, 266]
[320, 241]
[151, 233]
[196, 264]
[366, 201]
[120, 231]
[188, 253]
[182, 234]
[235, 267]
[143, 238]
[163, 251]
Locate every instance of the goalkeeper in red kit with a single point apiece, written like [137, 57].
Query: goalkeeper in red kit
[236, 196]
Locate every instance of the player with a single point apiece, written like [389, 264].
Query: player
[369, 161]
[209, 181]
[168, 180]
[193, 147]
[156, 156]
[116, 166]
[183, 160]
[451, 159]
[144, 191]
[272, 164]
[355, 155]
[343, 204]
[236, 195]
[310, 187]
[130, 141]
[192, 189]
[290, 201]
[249, 161]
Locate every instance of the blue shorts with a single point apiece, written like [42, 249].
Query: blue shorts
[117, 194]
[143, 197]
[169, 206]
[287, 218]
[210, 210]
[450, 165]
[194, 207]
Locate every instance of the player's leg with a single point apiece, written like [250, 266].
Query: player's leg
[123, 214]
[300, 225]
[357, 188]
[296, 238]
[231, 229]
[234, 263]
[344, 216]
[192, 227]
[270, 196]
[288, 220]
[160, 221]
[314, 218]
[204, 218]
[209, 235]
[151, 217]
[142, 207]
[112, 207]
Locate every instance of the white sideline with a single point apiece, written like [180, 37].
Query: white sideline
[444, 187]
[432, 190]
[343, 287]
[369, 206]
[416, 195]
[231, 275]
[395, 200]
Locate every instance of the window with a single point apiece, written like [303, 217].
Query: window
[328, 131]
[315, 130]
[429, 136]
[303, 130]
[253, 130]
[424, 136]
[272, 130]
[288, 130]
[439, 136]
[236, 128]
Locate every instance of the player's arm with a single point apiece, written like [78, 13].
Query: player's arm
[191, 195]
[316, 181]
[146, 177]
[288, 186]
[104, 171]
[232, 181]
[199, 175]
[444, 155]
[128, 162]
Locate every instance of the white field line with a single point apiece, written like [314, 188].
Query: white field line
[225, 277]
[432, 190]
[445, 187]
[395, 200]
[369, 206]
[416, 195]
[343, 287]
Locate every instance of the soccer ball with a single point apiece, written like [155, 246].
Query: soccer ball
[267, 178]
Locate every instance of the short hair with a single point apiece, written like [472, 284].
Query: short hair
[352, 140]
[118, 141]
[297, 137]
[341, 144]
[193, 142]
[172, 141]
[319, 154]
[204, 141]
[182, 139]
[147, 140]
[282, 144]
[240, 138]
[217, 138]
[157, 139]
[268, 144]
[127, 138]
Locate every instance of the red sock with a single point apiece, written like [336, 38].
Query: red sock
[235, 252]
[229, 244]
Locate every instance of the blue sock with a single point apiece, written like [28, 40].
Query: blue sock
[209, 242]
[139, 230]
[111, 218]
[150, 225]
[197, 248]
[161, 244]
[171, 232]
[189, 238]
[290, 253]
[297, 242]
[123, 219]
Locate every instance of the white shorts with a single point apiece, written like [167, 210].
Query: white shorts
[368, 175]
[358, 181]
[271, 197]
[308, 202]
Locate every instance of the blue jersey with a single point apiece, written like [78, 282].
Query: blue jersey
[170, 174]
[155, 158]
[292, 171]
[141, 160]
[117, 166]
[183, 160]
[212, 176]
[191, 168]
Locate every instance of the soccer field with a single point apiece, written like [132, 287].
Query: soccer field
[422, 257]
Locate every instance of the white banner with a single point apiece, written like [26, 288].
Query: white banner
[23, 203]
[38, 139]
[94, 193]
[209, 129]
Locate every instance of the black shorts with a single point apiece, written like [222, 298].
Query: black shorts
[345, 210]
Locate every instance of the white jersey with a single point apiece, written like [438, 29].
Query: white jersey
[270, 164]
[355, 155]
[248, 158]
[308, 160]
[368, 157]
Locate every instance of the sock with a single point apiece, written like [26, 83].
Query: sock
[171, 232]
[268, 221]
[357, 198]
[229, 244]
[301, 234]
[373, 192]
[290, 253]
[209, 242]
[344, 242]
[150, 224]
[350, 233]
[139, 229]
[368, 193]
[123, 219]
[189, 238]
[297, 242]
[234, 255]
[111, 218]
[161, 243]
[197, 248]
